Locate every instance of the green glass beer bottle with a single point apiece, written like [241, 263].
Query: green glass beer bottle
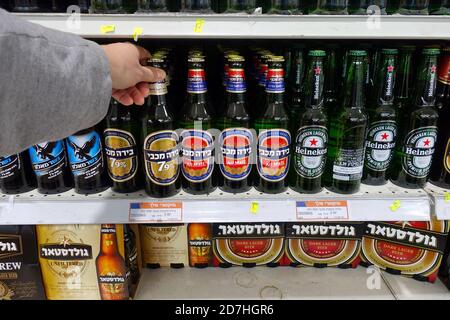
[239, 6]
[107, 6]
[284, 7]
[332, 71]
[274, 138]
[310, 143]
[152, 6]
[413, 7]
[404, 81]
[417, 135]
[345, 157]
[367, 7]
[331, 7]
[236, 140]
[382, 130]
[295, 86]
[439, 7]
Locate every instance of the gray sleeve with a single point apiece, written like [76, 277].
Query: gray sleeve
[52, 84]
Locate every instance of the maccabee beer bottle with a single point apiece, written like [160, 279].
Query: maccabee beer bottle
[274, 138]
[197, 144]
[418, 132]
[382, 130]
[160, 142]
[347, 131]
[16, 175]
[121, 147]
[311, 138]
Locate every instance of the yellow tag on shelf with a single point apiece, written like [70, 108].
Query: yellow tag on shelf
[108, 28]
[199, 23]
[137, 32]
[395, 205]
[254, 207]
[446, 196]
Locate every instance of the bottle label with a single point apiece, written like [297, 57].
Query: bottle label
[121, 154]
[161, 156]
[418, 151]
[389, 83]
[236, 150]
[310, 151]
[447, 157]
[348, 165]
[262, 74]
[236, 81]
[380, 143]
[158, 88]
[275, 81]
[85, 155]
[9, 166]
[444, 70]
[48, 159]
[196, 81]
[198, 155]
[273, 154]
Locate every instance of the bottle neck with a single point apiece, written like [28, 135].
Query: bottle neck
[355, 84]
[404, 77]
[196, 86]
[108, 240]
[315, 83]
[385, 80]
[296, 74]
[330, 71]
[426, 82]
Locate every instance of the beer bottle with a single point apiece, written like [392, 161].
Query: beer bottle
[262, 76]
[311, 137]
[200, 244]
[131, 256]
[331, 7]
[295, 81]
[413, 7]
[49, 163]
[200, 6]
[107, 6]
[284, 7]
[15, 174]
[240, 6]
[439, 7]
[382, 130]
[121, 141]
[110, 266]
[235, 141]
[345, 157]
[405, 79]
[367, 7]
[152, 6]
[25, 6]
[440, 170]
[274, 138]
[161, 152]
[417, 137]
[86, 159]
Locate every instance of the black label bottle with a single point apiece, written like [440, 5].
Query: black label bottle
[311, 138]
[235, 145]
[16, 175]
[274, 138]
[347, 131]
[50, 165]
[413, 7]
[87, 163]
[331, 7]
[121, 147]
[382, 130]
[160, 142]
[198, 6]
[152, 6]
[418, 132]
[197, 144]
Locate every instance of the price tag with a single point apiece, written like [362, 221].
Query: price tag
[156, 212]
[322, 210]
[199, 23]
[395, 205]
[254, 207]
[447, 196]
[138, 31]
[107, 28]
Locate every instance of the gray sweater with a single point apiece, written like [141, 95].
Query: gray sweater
[52, 84]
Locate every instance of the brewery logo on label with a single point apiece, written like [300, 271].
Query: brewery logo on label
[10, 166]
[348, 165]
[6, 293]
[325, 231]
[418, 151]
[273, 154]
[108, 229]
[121, 154]
[198, 155]
[275, 81]
[10, 246]
[48, 159]
[432, 85]
[447, 157]
[236, 150]
[389, 83]
[85, 155]
[444, 69]
[196, 82]
[310, 151]
[380, 143]
[163, 233]
[158, 88]
[161, 156]
[236, 81]
[248, 230]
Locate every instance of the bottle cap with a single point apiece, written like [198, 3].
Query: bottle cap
[357, 53]
[317, 53]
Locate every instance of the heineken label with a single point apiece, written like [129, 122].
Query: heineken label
[161, 156]
[348, 165]
[273, 154]
[236, 149]
[380, 143]
[10, 166]
[121, 154]
[418, 151]
[388, 90]
[275, 81]
[310, 151]
[198, 155]
[196, 81]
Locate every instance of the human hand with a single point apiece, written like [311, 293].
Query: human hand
[130, 78]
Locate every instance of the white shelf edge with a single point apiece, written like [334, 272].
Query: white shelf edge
[440, 206]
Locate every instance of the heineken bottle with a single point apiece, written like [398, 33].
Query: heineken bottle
[331, 80]
[295, 86]
[274, 139]
[284, 7]
[331, 7]
[404, 81]
[236, 140]
[348, 126]
[382, 130]
[310, 143]
[239, 6]
[418, 132]
[107, 6]
[152, 6]
[439, 7]
[367, 7]
[413, 7]
[198, 6]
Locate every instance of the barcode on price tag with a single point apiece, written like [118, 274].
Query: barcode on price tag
[322, 210]
[149, 212]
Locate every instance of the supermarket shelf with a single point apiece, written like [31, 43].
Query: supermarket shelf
[176, 25]
[281, 283]
[370, 204]
[441, 201]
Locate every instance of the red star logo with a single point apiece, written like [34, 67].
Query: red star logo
[426, 143]
[390, 68]
[384, 136]
[317, 70]
[433, 69]
[313, 142]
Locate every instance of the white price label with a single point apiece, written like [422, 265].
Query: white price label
[322, 210]
[156, 212]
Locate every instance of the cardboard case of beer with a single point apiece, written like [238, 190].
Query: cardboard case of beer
[409, 248]
[323, 244]
[20, 274]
